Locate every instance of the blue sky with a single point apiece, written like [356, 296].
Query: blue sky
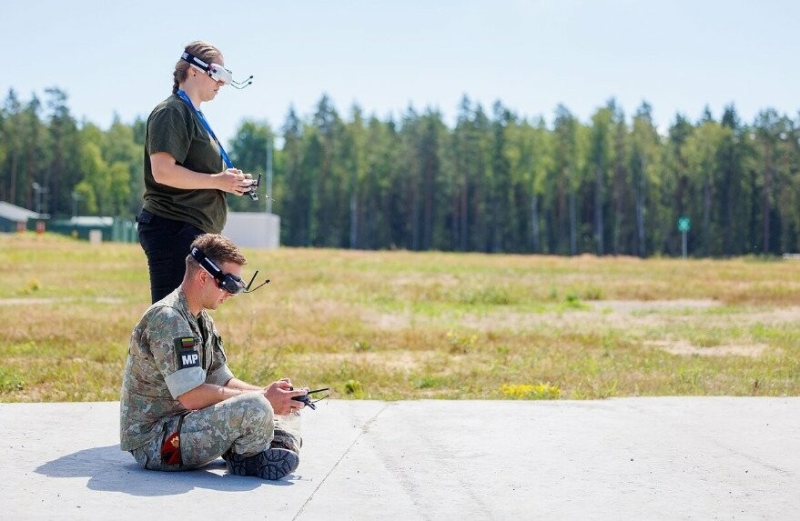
[678, 55]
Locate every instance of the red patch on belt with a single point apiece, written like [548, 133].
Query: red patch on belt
[171, 450]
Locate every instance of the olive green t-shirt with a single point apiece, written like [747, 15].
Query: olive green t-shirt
[174, 128]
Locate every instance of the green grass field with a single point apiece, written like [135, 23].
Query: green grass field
[402, 325]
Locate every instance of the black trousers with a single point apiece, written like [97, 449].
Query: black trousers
[166, 243]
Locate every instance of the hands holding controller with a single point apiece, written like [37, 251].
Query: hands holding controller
[236, 182]
[283, 397]
[306, 398]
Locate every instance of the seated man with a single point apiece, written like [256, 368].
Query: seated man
[181, 407]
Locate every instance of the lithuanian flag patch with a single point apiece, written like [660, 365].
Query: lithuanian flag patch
[186, 342]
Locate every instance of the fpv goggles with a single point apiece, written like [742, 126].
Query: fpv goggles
[216, 71]
[230, 283]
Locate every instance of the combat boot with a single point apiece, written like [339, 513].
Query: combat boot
[269, 464]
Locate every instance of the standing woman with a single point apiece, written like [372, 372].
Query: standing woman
[187, 174]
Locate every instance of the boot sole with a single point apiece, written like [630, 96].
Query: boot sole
[271, 464]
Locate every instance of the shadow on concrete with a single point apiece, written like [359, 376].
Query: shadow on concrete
[111, 470]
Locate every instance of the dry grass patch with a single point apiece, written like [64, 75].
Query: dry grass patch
[684, 348]
[389, 325]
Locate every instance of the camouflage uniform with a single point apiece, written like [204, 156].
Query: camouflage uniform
[172, 352]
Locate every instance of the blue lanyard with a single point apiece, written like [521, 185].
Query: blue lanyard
[225, 157]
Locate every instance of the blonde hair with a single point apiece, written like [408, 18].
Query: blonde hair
[202, 50]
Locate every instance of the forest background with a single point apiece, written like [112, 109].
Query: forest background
[492, 182]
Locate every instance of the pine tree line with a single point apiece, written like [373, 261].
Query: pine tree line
[492, 182]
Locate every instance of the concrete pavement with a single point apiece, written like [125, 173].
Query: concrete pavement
[629, 458]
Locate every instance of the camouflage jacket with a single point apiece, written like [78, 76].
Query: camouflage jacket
[170, 352]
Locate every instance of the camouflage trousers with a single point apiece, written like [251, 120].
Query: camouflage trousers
[244, 424]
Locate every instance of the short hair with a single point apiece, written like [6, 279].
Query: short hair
[217, 248]
[202, 50]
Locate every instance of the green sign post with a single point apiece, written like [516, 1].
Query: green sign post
[683, 227]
